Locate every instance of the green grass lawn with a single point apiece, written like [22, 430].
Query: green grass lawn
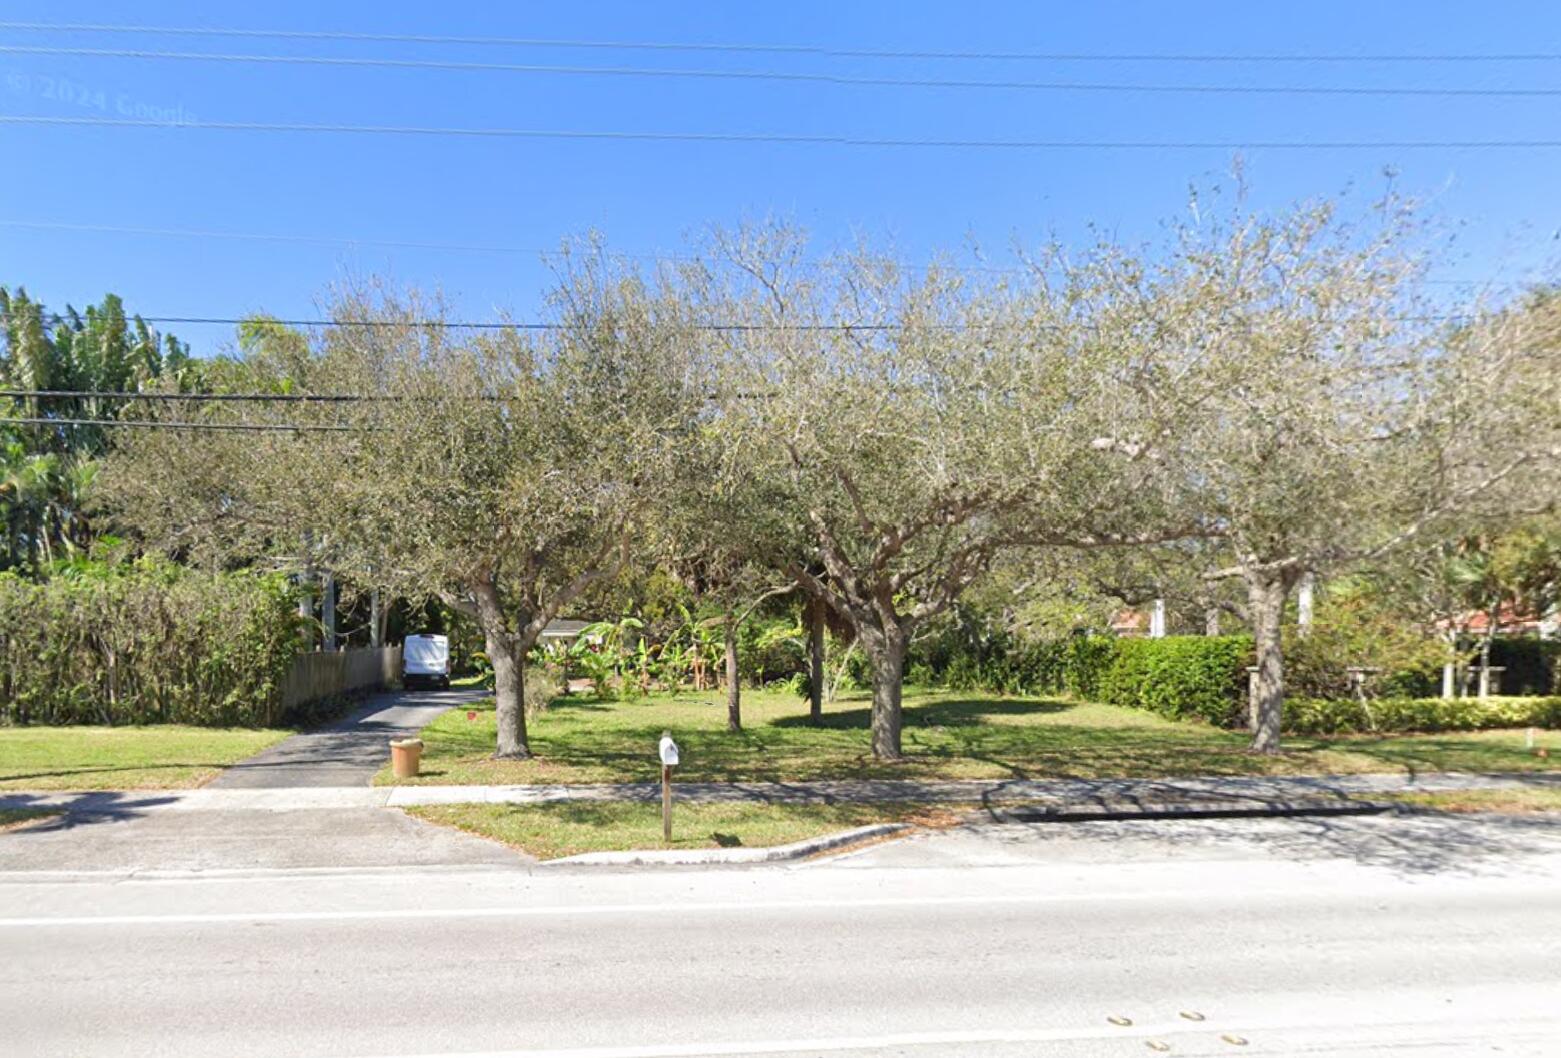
[155, 757]
[947, 736]
[1507, 801]
[548, 831]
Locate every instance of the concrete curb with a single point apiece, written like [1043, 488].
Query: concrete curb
[1077, 794]
[1190, 809]
[696, 857]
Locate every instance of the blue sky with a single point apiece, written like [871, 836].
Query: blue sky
[525, 195]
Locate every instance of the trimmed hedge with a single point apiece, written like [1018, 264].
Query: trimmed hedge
[1347, 716]
[1179, 676]
[145, 644]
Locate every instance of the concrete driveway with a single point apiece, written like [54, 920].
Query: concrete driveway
[348, 752]
[144, 832]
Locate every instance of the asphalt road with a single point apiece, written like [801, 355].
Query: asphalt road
[1339, 937]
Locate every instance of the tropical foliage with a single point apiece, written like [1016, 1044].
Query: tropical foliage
[48, 468]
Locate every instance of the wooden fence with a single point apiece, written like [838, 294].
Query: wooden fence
[323, 675]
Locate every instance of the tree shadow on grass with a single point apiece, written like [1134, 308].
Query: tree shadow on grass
[954, 712]
[1413, 755]
[579, 705]
[61, 773]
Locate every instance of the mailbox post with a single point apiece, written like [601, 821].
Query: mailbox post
[669, 760]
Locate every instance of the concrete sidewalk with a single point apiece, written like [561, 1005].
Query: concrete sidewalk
[1103, 796]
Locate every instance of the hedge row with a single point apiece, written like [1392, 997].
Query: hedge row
[1179, 676]
[1347, 716]
[145, 644]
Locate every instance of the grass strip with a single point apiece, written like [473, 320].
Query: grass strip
[565, 828]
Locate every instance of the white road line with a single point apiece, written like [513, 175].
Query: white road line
[1440, 1031]
[736, 906]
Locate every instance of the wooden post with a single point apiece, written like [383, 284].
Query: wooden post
[1305, 603]
[666, 803]
[328, 612]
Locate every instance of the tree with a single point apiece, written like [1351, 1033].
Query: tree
[920, 427]
[50, 466]
[724, 533]
[1329, 415]
[510, 474]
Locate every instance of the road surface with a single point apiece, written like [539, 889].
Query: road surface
[350, 751]
[1340, 936]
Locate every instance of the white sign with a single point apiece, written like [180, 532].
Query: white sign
[669, 751]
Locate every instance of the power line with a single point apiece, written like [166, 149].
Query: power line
[283, 398]
[90, 394]
[757, 328]
[782, 49]
[844, 80]
[797, 139]
[246, 427]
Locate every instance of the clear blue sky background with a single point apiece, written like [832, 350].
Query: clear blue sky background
[647, 197]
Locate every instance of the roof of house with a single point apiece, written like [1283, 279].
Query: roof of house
[564, 629]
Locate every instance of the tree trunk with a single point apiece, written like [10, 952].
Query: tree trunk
[507, 656]
[1485, 665]
[509, 694]
[1266, 601]
[888, 680]
[328, 613]
[376, 620]
[734, 694]
[815, 617]
[1211, 621]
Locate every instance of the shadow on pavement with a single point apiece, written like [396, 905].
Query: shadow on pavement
[86, 809]
[1404, 842]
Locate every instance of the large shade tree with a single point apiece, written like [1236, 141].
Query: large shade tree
[921, 425]
[504, 473]
[511, 472]
[1328, 414]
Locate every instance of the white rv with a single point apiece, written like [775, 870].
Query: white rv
[425, 660]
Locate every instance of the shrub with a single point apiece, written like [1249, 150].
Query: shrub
[1086, 659]
[1348, 716]
[1353, 629]
[1179, 676]
[145, 643]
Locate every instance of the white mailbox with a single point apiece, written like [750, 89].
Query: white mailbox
[669, 750]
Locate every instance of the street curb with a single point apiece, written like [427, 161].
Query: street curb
[698, 857]
[1109, 812]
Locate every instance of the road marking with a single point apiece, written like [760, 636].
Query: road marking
[730, 907]
[736, 906]
[1437, 1030]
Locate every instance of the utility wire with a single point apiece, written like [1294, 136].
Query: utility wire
[90, 394]
[148, 424]
[759, 328]
[280, 398]
[845, 80]
[783, 49]
[803, 139]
